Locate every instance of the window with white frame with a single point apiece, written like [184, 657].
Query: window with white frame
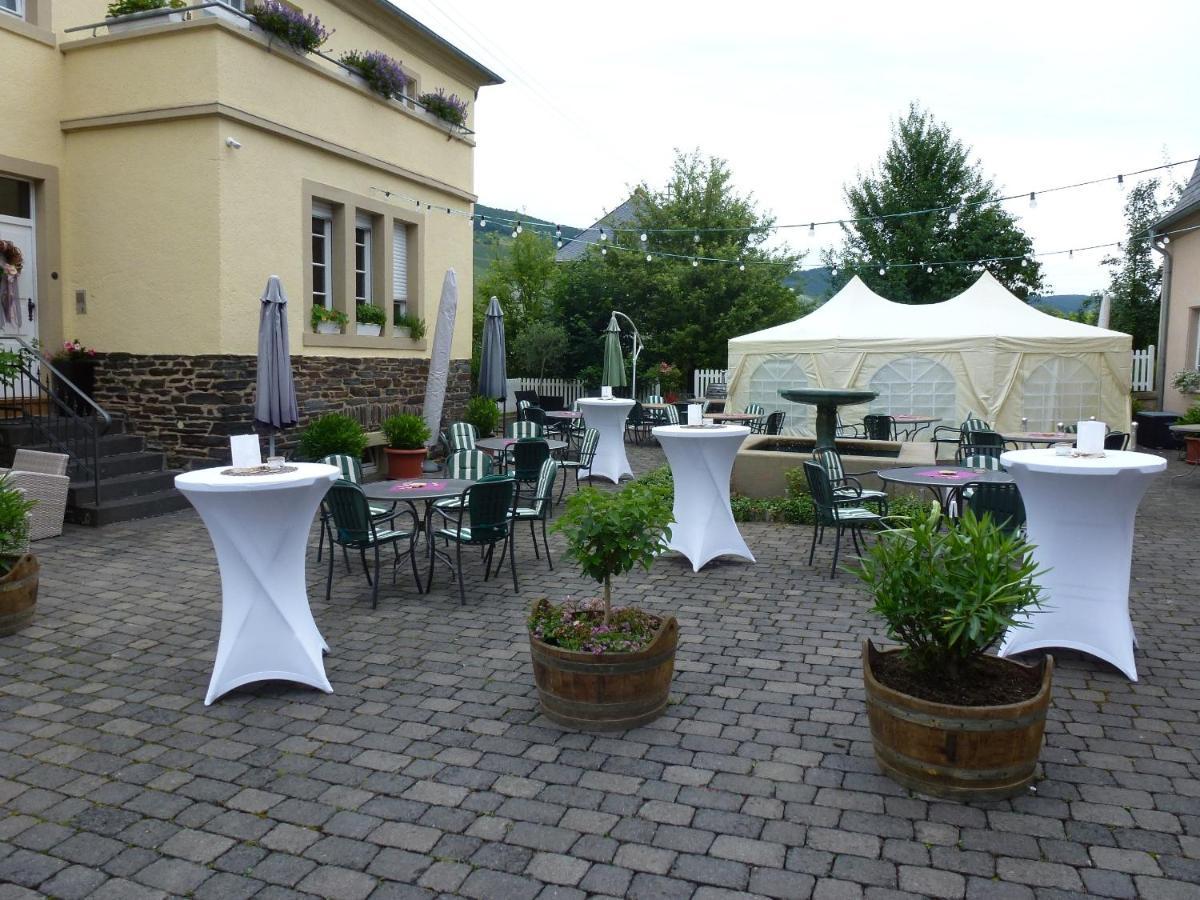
[13, 7]
[914, 386]
[1060, 390]
[1196, 337]
[766, 381]
[363, 235]
[322, 255]
[399, 271]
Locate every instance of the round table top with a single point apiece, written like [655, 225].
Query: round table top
[416, 488]
[1112, 462]
[497, 444]
[1186, 429]
[600, 401]
[212, 480]
[703, 432]
[564, 414]
[1039, 437]
[942, 476]
[916, 420]
[734, 416]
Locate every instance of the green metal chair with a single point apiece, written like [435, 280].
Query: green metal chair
[982, 443]
[523, 428]
[582, 460]
[672, 412]
[877, 427]
[353, 528]
[844, 430]
[469, 465]
[462, 436]
[847, 486]
[982, 461]
[484, 518]
[774, 423]
[535, 414]
[638, 424]
[1000, 501]
[528, 454]
[841, 515]
[540, 508]
[350, 468]
[1116, 440]
[948, 434]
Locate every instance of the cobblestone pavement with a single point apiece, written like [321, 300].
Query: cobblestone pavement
[428, 772]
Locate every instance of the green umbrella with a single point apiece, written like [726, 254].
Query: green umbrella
[614, 359]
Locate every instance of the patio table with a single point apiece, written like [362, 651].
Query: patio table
[498, 447]
[946, 482]
[1039, 437]
[410, 490]
[733, 417]
[701, 462]
[259, 526]
[608, 418]
[914, 424]
[1079, 517]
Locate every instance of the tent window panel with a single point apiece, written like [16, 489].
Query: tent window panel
[773, 375]
[1060, 390]
[914, 386]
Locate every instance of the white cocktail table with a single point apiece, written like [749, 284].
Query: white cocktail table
[608, 418]
[701, 462]
[1079, 516]
[259, 526]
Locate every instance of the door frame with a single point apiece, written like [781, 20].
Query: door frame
[47, 243]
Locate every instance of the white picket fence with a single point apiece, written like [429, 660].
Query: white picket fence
[702, 378]
[1143, 369]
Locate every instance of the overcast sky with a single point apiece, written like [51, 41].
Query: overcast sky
[799, 97]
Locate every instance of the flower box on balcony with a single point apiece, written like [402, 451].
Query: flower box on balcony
[119, 24]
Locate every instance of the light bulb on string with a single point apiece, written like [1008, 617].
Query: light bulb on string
[559, 244]
[1033, 199]
[695, 262]
[696, 238]
[519, 229]
[833, 272]
[604, 251]
[741, 265]
[1121, 182]
[514, 232]
[883, 270]
[483, 222]
[812, 230]
[953, 220]
[557, 231]
[929, 270]
[1070, 254]
[603, 235]
[649, 258]
[1166, 239]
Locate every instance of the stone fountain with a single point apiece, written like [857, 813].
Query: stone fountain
[827, 401]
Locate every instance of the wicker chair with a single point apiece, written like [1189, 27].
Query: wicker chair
[43, 478]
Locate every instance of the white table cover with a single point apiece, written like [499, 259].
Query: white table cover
[1079, 515]
[701, 462]
[259, 525]
[608, 417]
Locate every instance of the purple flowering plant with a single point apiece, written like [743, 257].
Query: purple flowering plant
[303, 32]
[579, 626]
[382, 73]
[449, 109]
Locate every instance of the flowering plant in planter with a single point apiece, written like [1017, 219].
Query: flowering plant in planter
[382, 73]
[1187, 381]
[449, 109]
[669, 378]
[73, 351]
[301, 32]
[321, 314]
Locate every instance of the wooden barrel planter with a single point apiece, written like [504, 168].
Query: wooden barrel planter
[1193, 450]
[18, 594]
[606, 691]
[956, 752]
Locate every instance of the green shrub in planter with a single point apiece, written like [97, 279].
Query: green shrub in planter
[1191, 417]
[483, 414]
[334, 433]
[414, 324]
[369, 314]
[405, 432]
[128, 7]
[321, 314]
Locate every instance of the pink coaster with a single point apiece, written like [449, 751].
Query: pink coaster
[416, 485]
[946, 473]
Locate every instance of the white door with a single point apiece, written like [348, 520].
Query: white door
[21, 234]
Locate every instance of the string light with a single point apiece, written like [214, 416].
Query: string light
[559, 245]
[883, 270]
[649, 257]
[1121, 183]
[514, 232]
[483, 222]
[1166, 239]
[604, 251]
[519, 229]
[643, 237]
[696, 238]
[812, 230]
[929, 270]
[695, 262]
[603, 236]
[557, 231]
[1033, 199]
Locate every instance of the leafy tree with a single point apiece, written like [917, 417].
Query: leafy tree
[685, 313]
[926, 167]
[540, 348]
[522, 276]
[1135, 274]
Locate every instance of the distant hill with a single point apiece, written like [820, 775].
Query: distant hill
[498, 234]
[1066, 303]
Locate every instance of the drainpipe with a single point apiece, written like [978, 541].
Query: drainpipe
[1164, 309]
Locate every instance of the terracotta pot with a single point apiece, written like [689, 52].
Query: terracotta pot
[605, 691]
[1193, 451]
[404, 463]
[18, 594]
[957, 752]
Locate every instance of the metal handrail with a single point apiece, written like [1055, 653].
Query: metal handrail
[167, 10]
[73, 422]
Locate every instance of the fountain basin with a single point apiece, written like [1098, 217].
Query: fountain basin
[827, 401]
[760, 465]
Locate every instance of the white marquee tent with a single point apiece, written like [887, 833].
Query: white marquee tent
[983, 352]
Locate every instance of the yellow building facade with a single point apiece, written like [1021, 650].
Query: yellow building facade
[158, 171]
[1177, 238]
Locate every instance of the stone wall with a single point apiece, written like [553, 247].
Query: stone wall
[188, 406]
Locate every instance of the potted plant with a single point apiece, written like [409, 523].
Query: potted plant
[946, 718]
[378, 71]
[1187, 381]
[328, 321]
[330, 434]
[1191, 441]
[598, 668]
[670, 380]
[77, 364]
[370, 319]
[450, 109]
[411, 325]
[18, 567]
[483, 413]
[302, 33]
[123, 15]
[406, 435]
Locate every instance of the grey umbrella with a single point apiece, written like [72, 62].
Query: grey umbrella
[275, 393]
[493, 368]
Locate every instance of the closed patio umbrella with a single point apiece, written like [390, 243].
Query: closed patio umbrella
[275, 392]
[493, 366]
[614, 359]
[439, 358]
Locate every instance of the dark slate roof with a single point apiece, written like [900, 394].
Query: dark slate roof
[1189, 202]
[578, 245]
[485, 75]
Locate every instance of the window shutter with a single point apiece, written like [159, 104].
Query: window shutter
[400, 263]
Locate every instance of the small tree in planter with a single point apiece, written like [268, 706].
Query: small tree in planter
[947, 719]
[18, 567]
[406, 435]
[598, 668]
[332, 434]
[369, 319]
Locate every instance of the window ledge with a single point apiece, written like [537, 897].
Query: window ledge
[27, 29]
[361, 342]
